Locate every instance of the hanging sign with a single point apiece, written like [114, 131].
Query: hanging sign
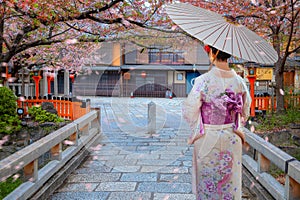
[264, 73]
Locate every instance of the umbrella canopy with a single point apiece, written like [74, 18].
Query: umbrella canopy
[222, 33]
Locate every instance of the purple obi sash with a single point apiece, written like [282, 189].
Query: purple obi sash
[223, 110]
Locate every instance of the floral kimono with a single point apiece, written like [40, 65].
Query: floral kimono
[218, 101]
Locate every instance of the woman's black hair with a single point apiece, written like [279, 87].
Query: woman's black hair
[220, 55]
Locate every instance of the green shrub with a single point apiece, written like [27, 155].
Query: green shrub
[278, 121]
[8, 186]
[41, 116]
[9, 119]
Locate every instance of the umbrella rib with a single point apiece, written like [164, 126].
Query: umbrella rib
[191, 9]
[250, 44]
[185, 15]
[205, 23]
[191, 28]
[265, 59]
[239, 44]
[226, 26]
[261, 49]
[264, 47]
[212, 32]
[188, 14]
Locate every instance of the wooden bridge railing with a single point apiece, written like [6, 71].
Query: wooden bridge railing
[80, 134]
[66, 107]
[258, 164]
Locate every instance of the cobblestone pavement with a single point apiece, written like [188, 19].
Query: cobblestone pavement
[128, 162]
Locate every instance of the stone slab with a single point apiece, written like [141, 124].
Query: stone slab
[79, 195]
[116, 186]
[154, 162]
[93, 177]
[129, 195]
[165, 187]
[100, 169]
[165, 169]
[87, 187]
[138, 177]
[126, 168]
[181, 178]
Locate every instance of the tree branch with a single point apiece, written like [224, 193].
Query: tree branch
[142, 25]
[5, 41]
[94, 11]
[80, 30]
[53, 36]
[20, 36]
[105, 21]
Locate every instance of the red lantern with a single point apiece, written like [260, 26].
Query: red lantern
[72, 76]
[143, 74]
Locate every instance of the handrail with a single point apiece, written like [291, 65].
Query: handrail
[81, 132]
[267, 153]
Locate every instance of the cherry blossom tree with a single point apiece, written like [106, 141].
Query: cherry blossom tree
[58, 32]
[275, 20]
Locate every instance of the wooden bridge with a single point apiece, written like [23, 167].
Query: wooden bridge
[70, 145]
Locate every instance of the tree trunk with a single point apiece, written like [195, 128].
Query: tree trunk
[279, 69]
[1, 36]
[279, 86]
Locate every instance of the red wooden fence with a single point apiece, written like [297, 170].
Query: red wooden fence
[265, 103]
[65, 108]
[73, 110]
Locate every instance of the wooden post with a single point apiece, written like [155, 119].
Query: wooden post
[37, 85]
[49, 79]
[31, 170]
[74, 138]
[70, 107]
[56, 151]
[58, 106]
[96, 121]
[263, 163]
[267, 100]
[294, 189]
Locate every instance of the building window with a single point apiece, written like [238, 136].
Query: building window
[180, 76]
[158, 56]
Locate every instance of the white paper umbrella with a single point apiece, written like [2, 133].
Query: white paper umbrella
[218, 31]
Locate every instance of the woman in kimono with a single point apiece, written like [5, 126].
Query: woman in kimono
[217, 104]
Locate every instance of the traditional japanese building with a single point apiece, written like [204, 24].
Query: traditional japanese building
[127, 69]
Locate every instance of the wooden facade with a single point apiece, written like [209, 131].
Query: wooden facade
[288, 79]
[127, 69]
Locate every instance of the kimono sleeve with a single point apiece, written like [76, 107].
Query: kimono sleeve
[246, 101]
[191, 111]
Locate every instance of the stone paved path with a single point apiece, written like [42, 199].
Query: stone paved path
[127, 162]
